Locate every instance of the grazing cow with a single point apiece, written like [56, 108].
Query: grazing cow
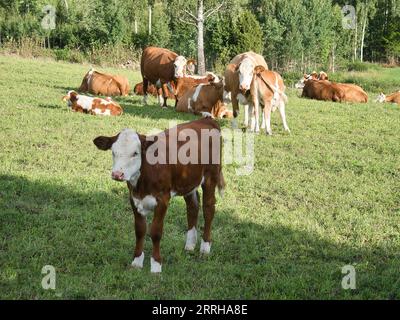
[332, 91]
[239, 75]
[185, 83]
[97, 83]
[393, 98]
[152, 89]
[269, 91]
[206, 99]
[160, 67]
[91, 105]
[153, 183]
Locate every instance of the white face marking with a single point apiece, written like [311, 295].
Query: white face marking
[191, 239]
[155, 266]
[146, 205]
[246, 70]
[180, 66]
[127, 155]
[197, 92]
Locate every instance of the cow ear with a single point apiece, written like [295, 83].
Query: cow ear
[259, 69]
[105, 143]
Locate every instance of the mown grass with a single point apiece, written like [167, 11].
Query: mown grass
[323, 197]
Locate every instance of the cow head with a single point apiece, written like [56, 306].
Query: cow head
[191, 66]
[180, 67]
[246, 71]
[259, 69]
[127, 148]
[306, 77]
[70, 98]
[381, 98]
[323, 76]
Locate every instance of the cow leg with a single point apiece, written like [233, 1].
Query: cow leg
[246, 115]
[255, 115]
[165, 94]
[235, 107]
[267, 115]
[140, 233]
[145, 86]
[156, 234]
[208, 212]
[263, 123]
[192, 205]
[283, 115]
[160, 97]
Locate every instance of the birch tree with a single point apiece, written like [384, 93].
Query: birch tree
[197, 17]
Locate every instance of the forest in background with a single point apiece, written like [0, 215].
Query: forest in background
[292, 35]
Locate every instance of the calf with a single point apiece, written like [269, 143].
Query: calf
[91, 105]
[206, 99]
[185, 83]
[239, 75]
[393, 98]
[97, 83]
[153, 180]
[269, 91]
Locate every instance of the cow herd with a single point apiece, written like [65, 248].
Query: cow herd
[247, 81]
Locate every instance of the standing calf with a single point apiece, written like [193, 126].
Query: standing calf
[154, 179]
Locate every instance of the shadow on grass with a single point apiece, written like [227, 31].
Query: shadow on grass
[47, 221]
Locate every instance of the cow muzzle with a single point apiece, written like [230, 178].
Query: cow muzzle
[117, 176]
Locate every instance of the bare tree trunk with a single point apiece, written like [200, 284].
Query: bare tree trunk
[355, 44]
[363, 34]
[200, 38]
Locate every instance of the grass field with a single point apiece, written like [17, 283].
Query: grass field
[325, 196]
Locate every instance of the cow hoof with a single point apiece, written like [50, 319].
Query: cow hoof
[205, 247]
[138, 261]
[269, 133]
[191, 239]
[287, 130]
[155, 266]
[164, 107]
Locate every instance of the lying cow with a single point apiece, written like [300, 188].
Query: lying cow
[332, 91]
[183, 84]
[153, 183]
[151, 89]
[239, 76]
[392, 98]
[269, 91]
[206, 99]
[160, 67]
[98, 83]
[91, 105]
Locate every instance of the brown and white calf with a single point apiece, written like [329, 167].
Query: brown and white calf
[154, 179]
[392, 98]
[92, 105]
[239, 76]
[183, 84]
[206, 99]
[269, 91]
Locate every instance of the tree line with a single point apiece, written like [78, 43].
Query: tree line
[291, 34]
